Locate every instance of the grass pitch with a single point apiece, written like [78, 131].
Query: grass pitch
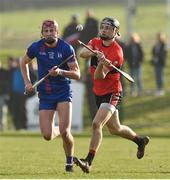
[28, 156]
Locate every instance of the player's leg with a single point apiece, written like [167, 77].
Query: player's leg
[115, 127]
[124, 131]
[65, 112]
[103, 115]
[47, 126]
[47, 110]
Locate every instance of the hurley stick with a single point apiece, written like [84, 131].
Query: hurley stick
[127, 76]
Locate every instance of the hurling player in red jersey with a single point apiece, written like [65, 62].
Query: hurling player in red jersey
[107, 89]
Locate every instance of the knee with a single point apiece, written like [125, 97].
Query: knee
[65, 133]
[96, 126]
[47, 135]
[118, 130]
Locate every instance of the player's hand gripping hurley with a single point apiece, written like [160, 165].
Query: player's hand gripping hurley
[127, 76]
[47, 75]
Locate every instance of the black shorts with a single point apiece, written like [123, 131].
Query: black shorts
[111, 98]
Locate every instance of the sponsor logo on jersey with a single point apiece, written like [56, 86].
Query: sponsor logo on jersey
[42, 51]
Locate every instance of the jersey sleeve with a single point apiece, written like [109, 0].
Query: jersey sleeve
[120, 57]
[31, 51]
[68, 52]
[91, 43]
[118, 61]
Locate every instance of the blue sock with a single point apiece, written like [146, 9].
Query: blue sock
[69, 160]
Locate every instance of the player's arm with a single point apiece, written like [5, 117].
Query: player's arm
[102, 67]
[101, 71]
[85, 53]
[72, 73]
[25, 73]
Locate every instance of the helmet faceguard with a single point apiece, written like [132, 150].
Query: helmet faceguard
[112, 22]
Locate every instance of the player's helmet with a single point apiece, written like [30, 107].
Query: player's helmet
[113, 22]
[49, 23]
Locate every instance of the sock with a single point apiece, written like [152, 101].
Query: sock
[137, 140]
[69, 160]
[90, 156]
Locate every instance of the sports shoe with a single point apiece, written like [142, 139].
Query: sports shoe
[83, 164]
[141, 147]
[69, 168]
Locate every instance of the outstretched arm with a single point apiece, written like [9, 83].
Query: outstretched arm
[85, 53]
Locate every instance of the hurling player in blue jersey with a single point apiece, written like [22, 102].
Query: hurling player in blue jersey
[54, 93]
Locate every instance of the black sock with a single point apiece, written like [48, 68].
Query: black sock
[90, 156]
[137, 140]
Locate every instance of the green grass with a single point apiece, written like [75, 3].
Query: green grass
[148, 114]
[26, 156]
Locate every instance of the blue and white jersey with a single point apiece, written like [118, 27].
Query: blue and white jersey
[48, 57]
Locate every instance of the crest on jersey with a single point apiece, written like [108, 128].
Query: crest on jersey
[51, 55]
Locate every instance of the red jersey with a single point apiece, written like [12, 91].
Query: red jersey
[111, 83]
